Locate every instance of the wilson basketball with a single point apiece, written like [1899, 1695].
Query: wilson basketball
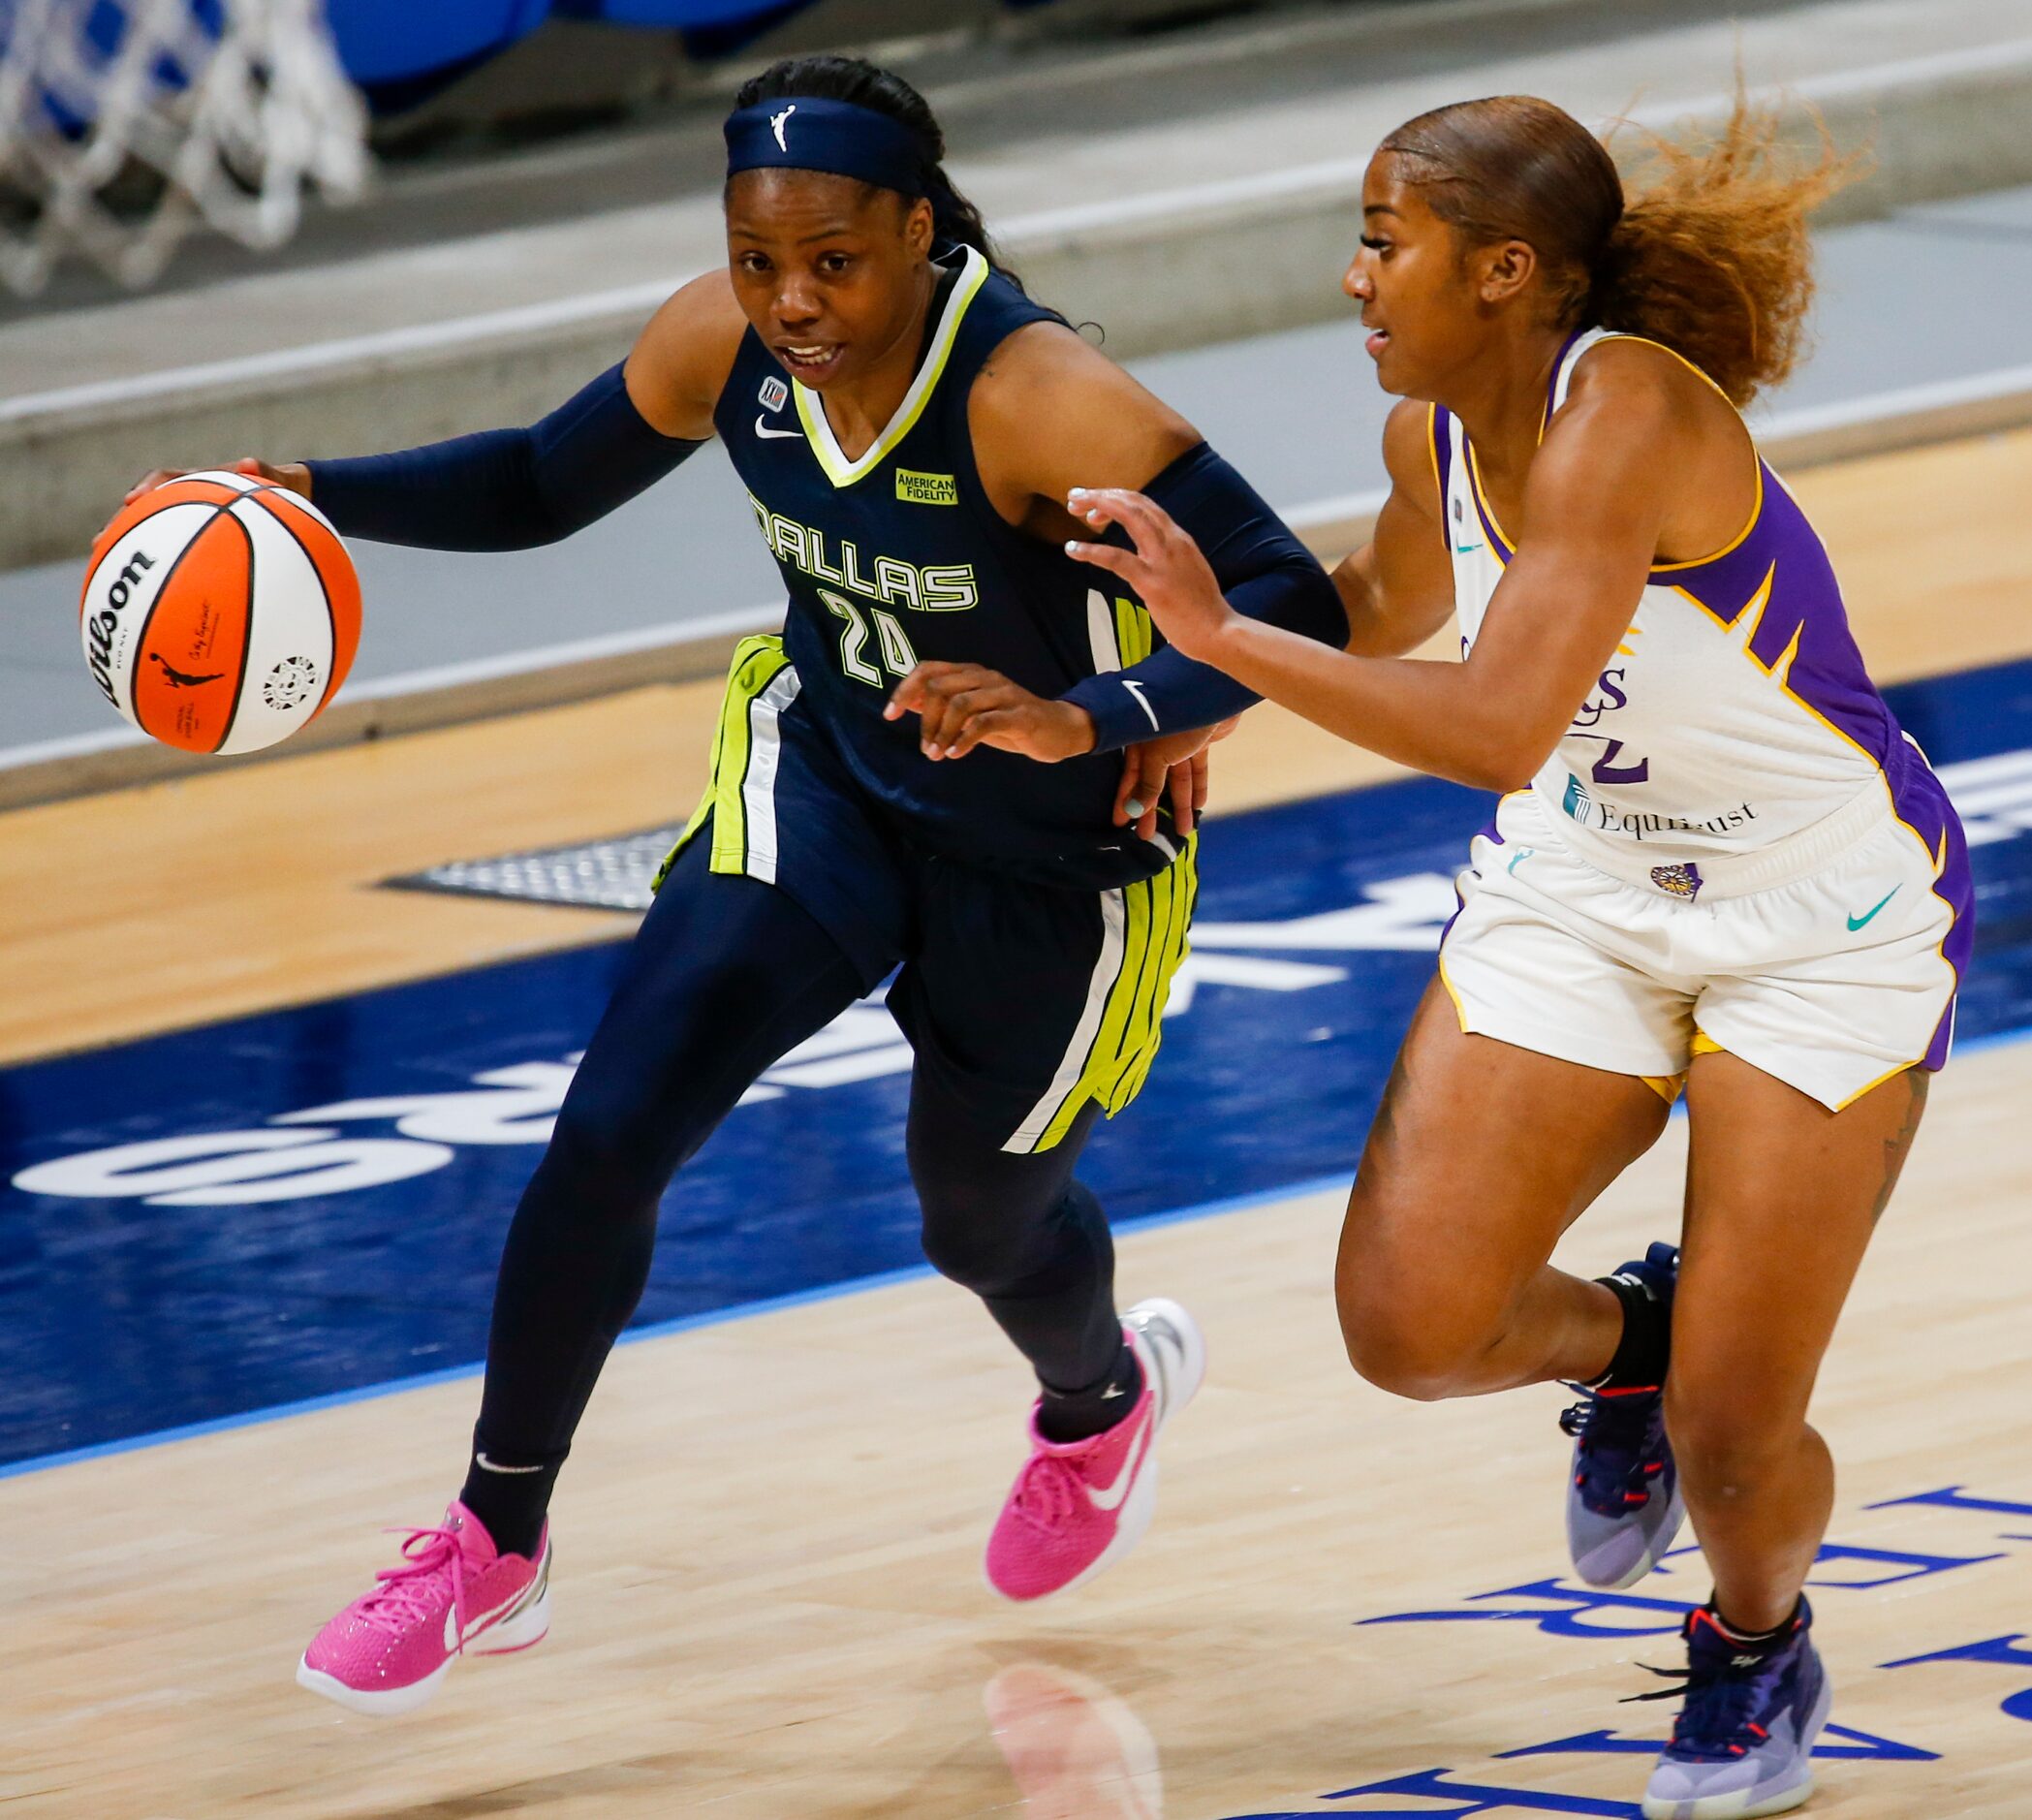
[219, 613]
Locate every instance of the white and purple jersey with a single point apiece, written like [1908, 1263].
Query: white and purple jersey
[1735, 711]
[1735, 716]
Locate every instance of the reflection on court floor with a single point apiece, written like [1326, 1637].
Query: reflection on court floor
[1076, 1751]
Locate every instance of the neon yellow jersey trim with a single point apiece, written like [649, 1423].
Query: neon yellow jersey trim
[811, 408]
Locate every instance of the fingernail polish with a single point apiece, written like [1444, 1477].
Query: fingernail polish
[1132, 808]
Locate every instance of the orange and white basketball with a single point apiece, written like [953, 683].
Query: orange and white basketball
[219, 613]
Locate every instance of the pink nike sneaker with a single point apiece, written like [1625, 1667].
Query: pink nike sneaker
[1080, 1506]
[453, 1595]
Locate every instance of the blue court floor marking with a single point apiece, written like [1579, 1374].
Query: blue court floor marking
[739, 1312]
[657, 1329]
[308, 1205]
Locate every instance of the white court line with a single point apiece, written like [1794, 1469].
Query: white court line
[1325, 179]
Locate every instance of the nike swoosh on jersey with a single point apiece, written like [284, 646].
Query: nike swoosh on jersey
[1856, 922]
[762, 429]
[1112, 1496]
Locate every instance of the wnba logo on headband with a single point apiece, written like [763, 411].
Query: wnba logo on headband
[831, 136]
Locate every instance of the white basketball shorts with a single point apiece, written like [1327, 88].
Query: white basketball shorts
[1832, 976]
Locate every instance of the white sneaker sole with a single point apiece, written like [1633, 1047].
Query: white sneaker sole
[522, 1629]
[1175, 1383]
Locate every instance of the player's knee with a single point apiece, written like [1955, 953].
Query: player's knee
[599, 1158]
[1399, 1343]
[1396, 1321]
[965, 1248]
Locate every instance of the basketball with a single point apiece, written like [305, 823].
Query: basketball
[219, 613]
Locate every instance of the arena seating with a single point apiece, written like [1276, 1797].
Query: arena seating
[398, 51]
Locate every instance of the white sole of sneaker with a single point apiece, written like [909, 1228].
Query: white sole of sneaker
[1731, 1806]
[379, 1706]
[519, 1630]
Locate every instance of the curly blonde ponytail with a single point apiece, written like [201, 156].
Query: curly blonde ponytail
[1712, 256]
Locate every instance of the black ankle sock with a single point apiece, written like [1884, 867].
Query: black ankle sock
[1755, 1642]
[510, 1495]
[1077, 1415]
[1645, 1347]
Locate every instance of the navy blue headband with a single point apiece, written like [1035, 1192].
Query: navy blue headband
[802, 133]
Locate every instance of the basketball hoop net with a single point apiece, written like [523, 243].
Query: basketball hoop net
[124, 124]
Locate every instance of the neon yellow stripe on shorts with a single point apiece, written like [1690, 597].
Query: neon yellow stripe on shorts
[757, 662]
[1157, 917]
[1133, 635]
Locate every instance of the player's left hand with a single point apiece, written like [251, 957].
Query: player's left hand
[1175, 764]
[1166, 568]
[962, 706]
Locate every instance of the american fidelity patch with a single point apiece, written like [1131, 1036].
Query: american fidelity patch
[926, 490]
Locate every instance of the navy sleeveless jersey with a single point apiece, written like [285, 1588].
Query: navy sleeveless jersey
[900, 557]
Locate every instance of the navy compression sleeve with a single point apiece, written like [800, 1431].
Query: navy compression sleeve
[504, 488]
[1263, 571]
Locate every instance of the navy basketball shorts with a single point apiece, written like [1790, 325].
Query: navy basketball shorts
[1024, 1001]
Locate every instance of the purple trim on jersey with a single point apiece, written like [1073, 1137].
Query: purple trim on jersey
[1804, 614]
[1501, 545]
[1921, 801]
[1828, 676]
[1441, 431]
[1559, 366]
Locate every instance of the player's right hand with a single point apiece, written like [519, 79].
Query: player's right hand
[292, 474]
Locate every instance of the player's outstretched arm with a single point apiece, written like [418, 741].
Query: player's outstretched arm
[516, 488]
[1594, 506]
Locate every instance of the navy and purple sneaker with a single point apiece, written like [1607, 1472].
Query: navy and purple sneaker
[1623, 1508]
[1744, 1741]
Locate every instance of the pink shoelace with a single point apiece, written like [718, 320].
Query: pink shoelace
[407, 1594]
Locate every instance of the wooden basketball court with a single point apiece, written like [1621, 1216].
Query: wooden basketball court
[768, 1595]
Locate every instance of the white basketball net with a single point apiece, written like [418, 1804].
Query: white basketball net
[266, 111]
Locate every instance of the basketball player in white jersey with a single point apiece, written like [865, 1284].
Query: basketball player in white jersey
[1717, 863]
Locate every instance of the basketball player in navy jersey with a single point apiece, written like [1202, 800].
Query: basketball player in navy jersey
[908, 424]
